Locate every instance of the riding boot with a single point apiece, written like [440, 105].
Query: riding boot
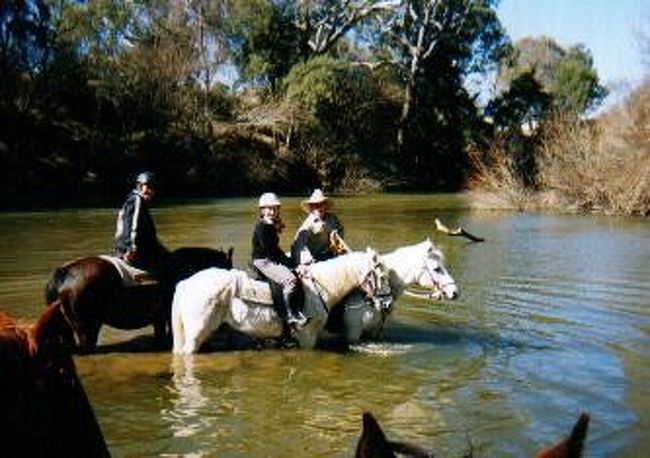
[295, 317]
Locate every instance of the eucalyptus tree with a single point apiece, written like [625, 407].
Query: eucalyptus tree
[567, 75]
[269, 37]
[434, 45]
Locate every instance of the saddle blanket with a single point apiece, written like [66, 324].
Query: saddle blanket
[131, 276]
[252, 290]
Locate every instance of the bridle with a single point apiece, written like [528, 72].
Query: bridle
[376, 288]
[437, 288]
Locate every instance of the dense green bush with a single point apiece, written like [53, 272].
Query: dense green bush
[345, 123]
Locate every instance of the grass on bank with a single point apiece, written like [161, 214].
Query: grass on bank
[600, 165]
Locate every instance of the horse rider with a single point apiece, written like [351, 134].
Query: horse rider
[135, 238]
[273, 264]
[314, 238]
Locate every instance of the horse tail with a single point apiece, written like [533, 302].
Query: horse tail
[57, 278]
[178, 331]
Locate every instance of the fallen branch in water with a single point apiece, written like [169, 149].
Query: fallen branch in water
[459, 231]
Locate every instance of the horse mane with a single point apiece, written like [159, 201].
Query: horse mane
[416, 247]
[12, 336]
[324, 269]
[6, 322]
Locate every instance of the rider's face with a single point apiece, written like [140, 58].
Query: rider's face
[317, 210]
[269, 212]
[146, 192]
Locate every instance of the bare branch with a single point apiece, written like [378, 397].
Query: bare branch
[459, 231]
[335, 24]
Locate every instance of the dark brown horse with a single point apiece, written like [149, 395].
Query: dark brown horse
[374, 444]
[92, 293]
[44, 410]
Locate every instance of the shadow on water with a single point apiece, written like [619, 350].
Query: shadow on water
[406, 333]
[397, 334]
[137, 344]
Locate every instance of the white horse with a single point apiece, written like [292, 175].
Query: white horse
[421, 264]
[214, 296]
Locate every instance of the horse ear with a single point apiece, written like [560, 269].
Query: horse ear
[572, 445]
[373, 253]
[373, 442]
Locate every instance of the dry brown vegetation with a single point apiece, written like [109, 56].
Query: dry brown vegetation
[600, 165]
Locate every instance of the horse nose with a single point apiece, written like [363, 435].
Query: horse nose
[453, 293]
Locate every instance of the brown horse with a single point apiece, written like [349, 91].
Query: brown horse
[92, 293]
[374, 444]
[44, 410]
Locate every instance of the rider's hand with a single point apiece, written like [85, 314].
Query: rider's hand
[303, 270]
[129, 256]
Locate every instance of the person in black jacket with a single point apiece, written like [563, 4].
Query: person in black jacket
[136, 241]
[272, 263]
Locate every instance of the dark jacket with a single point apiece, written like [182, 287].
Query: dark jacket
[136, 232]
[318, 244]
[266, 244]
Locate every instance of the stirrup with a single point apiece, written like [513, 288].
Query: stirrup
[297, 319]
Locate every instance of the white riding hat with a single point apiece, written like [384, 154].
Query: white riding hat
[317, 197]
[269, 199]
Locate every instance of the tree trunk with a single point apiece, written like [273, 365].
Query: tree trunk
[407, 113]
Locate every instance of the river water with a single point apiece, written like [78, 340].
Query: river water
[553, 319]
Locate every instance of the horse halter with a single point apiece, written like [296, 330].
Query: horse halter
[376, 287]
[434, 272]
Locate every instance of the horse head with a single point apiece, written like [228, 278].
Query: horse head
[373, 442]
[42, 398]
[421, 264]
[434, 274]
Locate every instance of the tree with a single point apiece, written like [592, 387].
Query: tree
[463, 33]
[331, 96]
[566, 75]
[270, 37]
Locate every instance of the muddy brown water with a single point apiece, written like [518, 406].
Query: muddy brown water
[553, 319]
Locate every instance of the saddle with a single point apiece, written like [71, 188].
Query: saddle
[131, 276]
[255, 287]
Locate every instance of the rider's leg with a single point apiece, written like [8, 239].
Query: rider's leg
[294, 301]
[289, 282]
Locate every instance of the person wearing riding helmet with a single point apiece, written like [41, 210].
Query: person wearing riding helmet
[312, 241]
[269, 259]
[135, 240]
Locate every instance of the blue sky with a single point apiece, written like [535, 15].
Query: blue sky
[610, 29]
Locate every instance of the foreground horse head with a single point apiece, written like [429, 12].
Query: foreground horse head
[423, 265]
[374, 444]
[93, 293]
[203, 302]
[44, 410]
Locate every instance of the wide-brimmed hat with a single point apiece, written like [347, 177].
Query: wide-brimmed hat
[317, 197]
[269, 199]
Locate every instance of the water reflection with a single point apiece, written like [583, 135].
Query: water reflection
[186, 417]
